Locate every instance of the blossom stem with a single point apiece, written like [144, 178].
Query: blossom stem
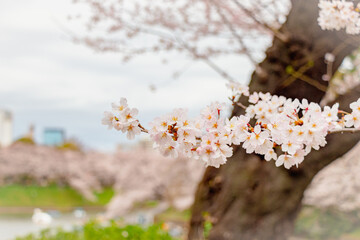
[143, 129]
[237, 103]
[241, 105]
[340, 111]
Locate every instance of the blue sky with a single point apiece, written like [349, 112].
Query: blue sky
[49, 81]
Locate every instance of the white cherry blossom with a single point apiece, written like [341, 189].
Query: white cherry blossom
[270, 154]
[286, 160]
[108, 119]
[132, 129]
[121, 106]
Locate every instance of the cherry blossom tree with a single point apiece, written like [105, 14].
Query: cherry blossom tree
[247, 198]
[30, 164]
[147, 175]
[170, 180]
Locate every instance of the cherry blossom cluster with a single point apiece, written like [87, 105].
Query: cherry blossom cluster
[291, 128]
[339, 14]
[208, 137]
[278, 128]
[123, 119]
[237, 90]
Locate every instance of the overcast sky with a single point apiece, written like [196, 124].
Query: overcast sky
[49, 81]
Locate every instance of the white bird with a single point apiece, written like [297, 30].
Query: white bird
[41, 218]
[79, 213]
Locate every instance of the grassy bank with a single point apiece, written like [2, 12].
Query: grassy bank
[321, 224]
[93, 231]
[48, 197]
[311, 223]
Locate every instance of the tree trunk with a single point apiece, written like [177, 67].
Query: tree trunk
[249, 198]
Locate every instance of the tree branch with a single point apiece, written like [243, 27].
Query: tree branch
[235, 34]
[282, 37]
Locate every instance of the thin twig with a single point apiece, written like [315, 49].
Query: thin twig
[292, 78]
[235, 34]
[301, 76]
[310, 81]
[241, 105]
[282, 37]
[205, 60]
[237, 103]
[143, 129]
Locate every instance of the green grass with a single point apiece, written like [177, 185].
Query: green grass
[49, 196]
[94, 231]
[320, 224]
[173, 215]
[146, 204]
[354, 234]
[312, 223]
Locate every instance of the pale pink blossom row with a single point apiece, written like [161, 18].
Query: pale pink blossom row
[339, 14]
[278, 128]
[136, 174]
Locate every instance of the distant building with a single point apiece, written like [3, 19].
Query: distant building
[54, 137]
[6, 123]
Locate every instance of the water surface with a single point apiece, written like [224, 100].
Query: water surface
[15, 225]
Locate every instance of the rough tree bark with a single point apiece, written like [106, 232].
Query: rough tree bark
[249, 198]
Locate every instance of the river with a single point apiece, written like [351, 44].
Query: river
[12, 226]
